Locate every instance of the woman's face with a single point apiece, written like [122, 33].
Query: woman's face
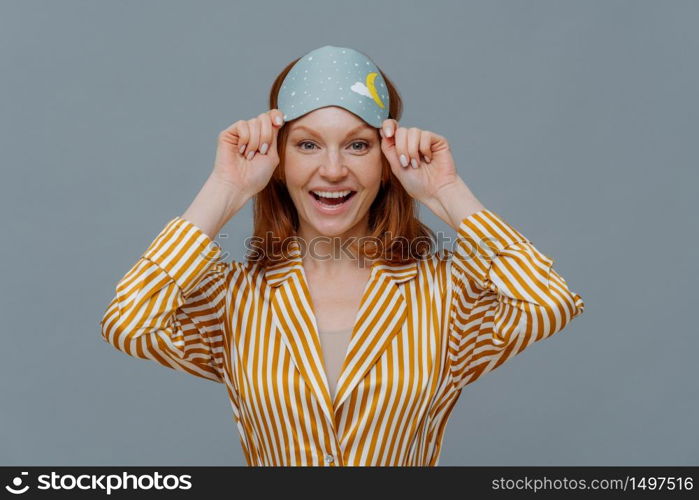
[333, 171]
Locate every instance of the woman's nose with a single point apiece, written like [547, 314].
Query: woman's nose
[333, 168]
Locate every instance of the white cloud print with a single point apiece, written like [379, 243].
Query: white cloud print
[360, 88]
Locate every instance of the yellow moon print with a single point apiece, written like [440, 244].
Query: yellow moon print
[372, 89]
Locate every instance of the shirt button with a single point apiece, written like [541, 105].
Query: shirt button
[329, 458]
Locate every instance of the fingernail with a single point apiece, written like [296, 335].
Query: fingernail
[389, 132]
[263, 149]
[413, 163]
[250, 155]
[427, 160]
[403, 160]
[242, 148]
[278, 120]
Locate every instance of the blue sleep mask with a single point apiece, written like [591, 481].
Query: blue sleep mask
[335, 76]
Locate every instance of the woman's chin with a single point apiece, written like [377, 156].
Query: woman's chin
[332, 229]
[332, 226]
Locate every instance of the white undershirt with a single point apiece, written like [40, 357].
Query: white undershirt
[334, 346]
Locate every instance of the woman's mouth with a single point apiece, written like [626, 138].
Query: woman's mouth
[332, 201]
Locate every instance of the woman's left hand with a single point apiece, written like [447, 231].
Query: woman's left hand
[430, 165]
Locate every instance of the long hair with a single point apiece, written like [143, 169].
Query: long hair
[396, 234]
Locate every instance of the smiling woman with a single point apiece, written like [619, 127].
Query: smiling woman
[327, 139]
[327, 362]
[332, 185]
[331, 198]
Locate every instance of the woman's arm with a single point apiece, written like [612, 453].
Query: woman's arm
[505, 293]
[454, 202]
[170, 306]
[215, 204]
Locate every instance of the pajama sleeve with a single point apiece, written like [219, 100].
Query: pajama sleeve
[505, 296]
[170, 307]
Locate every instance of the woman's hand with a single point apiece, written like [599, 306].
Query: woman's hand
[421, 160]
[247, 152]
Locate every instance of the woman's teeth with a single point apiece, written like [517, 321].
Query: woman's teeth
[333, 197]
[332, 194]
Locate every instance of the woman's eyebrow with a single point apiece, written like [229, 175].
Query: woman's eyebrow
[313, 132]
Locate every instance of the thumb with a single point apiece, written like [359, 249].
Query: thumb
[388, 147]
[276, 127]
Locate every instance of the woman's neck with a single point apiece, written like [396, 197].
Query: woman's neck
[333, 254]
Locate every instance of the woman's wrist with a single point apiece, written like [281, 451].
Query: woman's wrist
[457, 201]
[214, 205]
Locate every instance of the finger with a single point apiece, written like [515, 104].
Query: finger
[244, 134]
[414, 134]
[232, 127]
[387, 142]
[425, 143]
[389, 127]
[277, 117]
[265, 132]
[254, 141]
[388, 149]
[402, 145]
[230, 134]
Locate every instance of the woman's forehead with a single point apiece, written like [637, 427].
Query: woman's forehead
[330, 119]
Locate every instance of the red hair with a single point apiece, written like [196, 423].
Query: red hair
[396, 234]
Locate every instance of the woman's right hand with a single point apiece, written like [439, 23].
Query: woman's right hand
[246, 155]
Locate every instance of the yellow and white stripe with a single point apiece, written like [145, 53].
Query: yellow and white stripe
[423, 332]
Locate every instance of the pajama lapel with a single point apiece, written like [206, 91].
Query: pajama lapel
[381, 315]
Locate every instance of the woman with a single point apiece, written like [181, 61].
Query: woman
[343, 339]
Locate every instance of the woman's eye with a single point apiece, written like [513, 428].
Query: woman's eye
[303, 143]
[362, 143]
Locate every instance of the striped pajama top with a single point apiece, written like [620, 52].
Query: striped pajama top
[423, 331]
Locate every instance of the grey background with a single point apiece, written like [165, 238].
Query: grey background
[574, 121]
